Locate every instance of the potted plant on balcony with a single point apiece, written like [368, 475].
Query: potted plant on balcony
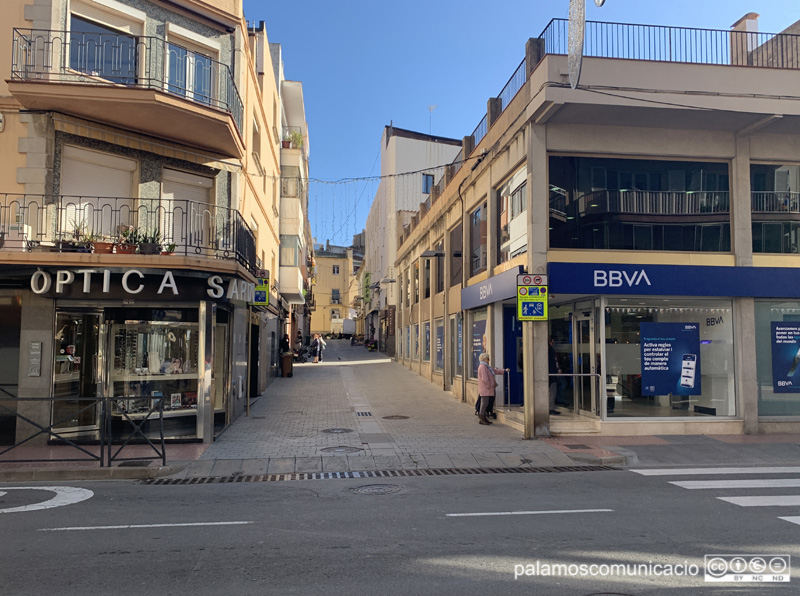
[286, 142]
[297, 139]
[150, 243]
[102, 245]
[127, 240]
[168, 249]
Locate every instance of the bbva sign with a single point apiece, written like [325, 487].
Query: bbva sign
[614, 278]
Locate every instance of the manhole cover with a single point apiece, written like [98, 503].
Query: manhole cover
[341, 449]
[395, 417]
[377, 489]
[334, 431]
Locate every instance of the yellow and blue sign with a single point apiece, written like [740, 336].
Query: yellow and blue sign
[262, 292]
[532, 297]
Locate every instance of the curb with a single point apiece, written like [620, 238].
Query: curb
[605, 460]
[117, 473]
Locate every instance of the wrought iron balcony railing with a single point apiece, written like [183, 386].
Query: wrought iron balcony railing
[75, 224]
[125, 60]
[678, 44]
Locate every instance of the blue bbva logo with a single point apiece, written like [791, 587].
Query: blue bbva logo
[614, 278]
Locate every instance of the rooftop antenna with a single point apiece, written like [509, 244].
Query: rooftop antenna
[430, 118]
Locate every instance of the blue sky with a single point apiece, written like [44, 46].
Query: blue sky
[365, 64]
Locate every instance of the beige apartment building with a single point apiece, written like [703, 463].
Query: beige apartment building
[659, 201]
[139, 220]
[335, 289]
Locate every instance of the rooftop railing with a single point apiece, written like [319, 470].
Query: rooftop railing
[78, 224]
[677, 44]
[125, 60]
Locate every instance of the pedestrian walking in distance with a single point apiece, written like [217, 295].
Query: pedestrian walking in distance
[316, 347]
[322, 346]
[487, 384]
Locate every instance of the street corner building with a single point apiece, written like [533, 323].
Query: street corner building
[154, 160]
[660, 199]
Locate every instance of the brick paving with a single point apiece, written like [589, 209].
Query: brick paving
[284, 432]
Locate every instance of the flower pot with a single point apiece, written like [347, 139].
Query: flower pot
[102, 248]
[166, 253]
[126, 249]
[149, 248]
[286, 144]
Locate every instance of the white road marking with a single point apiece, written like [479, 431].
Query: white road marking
[133, 527]
[758, 483]
[487, 513]
[699, 471]
[783, 501]
[65, 495]
[795, 519]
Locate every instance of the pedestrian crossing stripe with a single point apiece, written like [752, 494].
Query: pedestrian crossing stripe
[727, 484]
[712, 471]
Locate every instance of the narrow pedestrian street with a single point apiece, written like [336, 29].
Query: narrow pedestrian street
[358, 410]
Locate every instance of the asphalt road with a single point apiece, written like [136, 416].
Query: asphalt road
[325, 537]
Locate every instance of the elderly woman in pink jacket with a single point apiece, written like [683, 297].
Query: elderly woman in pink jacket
[486, 384]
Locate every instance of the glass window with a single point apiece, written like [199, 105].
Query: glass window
[335, 298]
[512, 236]
[190, 74]
[438, 345]
[691, 371]
[775, 207]
[477, 320]
[335, 269]
[440, 268]
[456, 258]
[426, 341]
[290, 251]
[627, 204]
[427, 183]
[408, 342]
[426, 279]
[477, 240]
[415, 339]
[101, 51]
[416, 282]
[776, 351]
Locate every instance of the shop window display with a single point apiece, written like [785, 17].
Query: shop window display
[777, 349]
[154, 361]
[667, 358]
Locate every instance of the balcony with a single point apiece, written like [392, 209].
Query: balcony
[62, 224]
[144, 84]
[645, 202]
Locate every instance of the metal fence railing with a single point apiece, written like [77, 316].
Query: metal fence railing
[80, 224]
[654, 202]
[108, 59]
[678, 44]
[111, 430]
[515, 83]
[775, 202]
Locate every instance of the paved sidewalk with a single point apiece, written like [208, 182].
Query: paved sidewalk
[359, 411]
[388, 418]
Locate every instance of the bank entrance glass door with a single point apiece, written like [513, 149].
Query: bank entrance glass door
[584, 357]
[78, 357]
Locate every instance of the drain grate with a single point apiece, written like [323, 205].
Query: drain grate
[375, 474]
[341, 449]
[337, 430]
[395, 417]
[377, 489]
[364, 413]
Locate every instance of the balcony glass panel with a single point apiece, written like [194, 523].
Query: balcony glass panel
[625, 204]
[101, 51]
[775, 203]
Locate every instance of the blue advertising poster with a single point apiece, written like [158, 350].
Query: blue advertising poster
[460, 345]
[785, 357]
[478, 332]
[440, 346]
[670, 358]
